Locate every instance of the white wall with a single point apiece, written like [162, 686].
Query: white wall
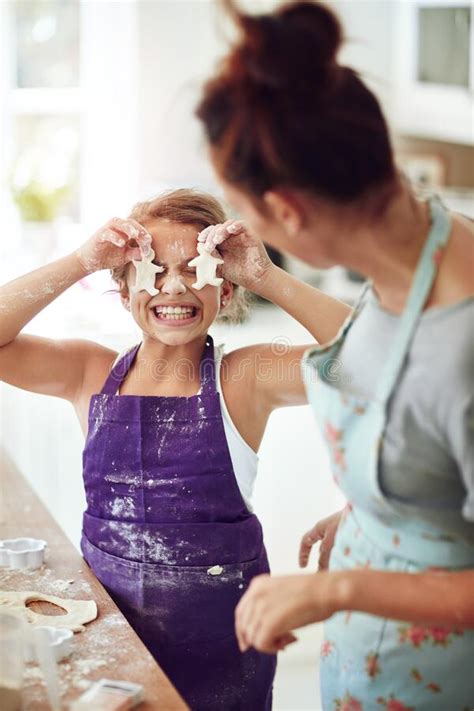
[180, 42]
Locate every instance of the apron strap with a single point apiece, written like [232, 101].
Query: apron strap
[119, 371]
[422, 283]
[208, 368]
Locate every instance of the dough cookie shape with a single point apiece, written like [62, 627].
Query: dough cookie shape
[206, 266]
[146, 274]
[79, 612]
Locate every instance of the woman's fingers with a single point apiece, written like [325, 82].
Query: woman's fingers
[311, 537]
[324, 553]
[285, 640]
[247, 614]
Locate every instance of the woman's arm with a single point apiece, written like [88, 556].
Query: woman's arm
[273, 607]
[42, 365]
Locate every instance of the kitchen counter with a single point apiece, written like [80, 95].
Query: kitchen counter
[108, 647]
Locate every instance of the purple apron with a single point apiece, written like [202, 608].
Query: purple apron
[168, 534]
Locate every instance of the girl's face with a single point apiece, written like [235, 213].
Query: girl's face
[179, 314]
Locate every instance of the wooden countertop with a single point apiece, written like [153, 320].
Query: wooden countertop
[108, 647]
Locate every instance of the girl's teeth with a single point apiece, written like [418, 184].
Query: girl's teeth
[174, 313]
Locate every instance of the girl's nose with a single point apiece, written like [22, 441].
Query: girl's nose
[173, 285]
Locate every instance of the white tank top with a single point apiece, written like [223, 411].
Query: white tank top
[244, 458]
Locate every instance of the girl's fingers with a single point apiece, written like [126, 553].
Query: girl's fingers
[133, 253]
[235, 227]
[144, 243]
[132, 230]
[109, 235]
[204, 234]
[216, 234]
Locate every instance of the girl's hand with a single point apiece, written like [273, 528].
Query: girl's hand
[324, 531]
[273, 607]
[110, 246]
[246, 261]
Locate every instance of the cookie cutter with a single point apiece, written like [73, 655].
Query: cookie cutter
[59, 641]
[22, 552]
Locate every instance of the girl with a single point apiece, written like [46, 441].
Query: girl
[170, 453]
[302, 150]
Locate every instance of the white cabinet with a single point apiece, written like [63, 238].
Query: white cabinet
[433, 72]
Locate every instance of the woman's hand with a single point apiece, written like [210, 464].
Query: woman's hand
[246, 261]
[273, 607]
[110, 247]
[324, 531]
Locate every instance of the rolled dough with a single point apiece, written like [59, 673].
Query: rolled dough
[79, 612]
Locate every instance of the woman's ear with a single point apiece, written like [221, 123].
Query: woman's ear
[286, 210]
[227, 291]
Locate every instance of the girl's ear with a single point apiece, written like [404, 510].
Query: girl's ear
[125, 295]
[227, 291]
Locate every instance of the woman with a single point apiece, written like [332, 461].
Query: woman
[302, 150]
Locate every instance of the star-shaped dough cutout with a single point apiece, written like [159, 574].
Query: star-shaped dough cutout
[206, 266]
[146, 274]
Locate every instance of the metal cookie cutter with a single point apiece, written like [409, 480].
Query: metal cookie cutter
[22, 552]
[60, 642]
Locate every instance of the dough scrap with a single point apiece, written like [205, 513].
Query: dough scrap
[206, 266]
[146, 273]
[79, 612]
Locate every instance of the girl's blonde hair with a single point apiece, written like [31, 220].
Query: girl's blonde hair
[189, 207]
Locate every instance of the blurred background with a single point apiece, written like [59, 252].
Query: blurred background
[97, 100]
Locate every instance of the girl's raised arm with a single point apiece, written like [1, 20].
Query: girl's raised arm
[56, 367]
[277, 368]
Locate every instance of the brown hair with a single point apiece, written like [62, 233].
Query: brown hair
[282, 112]
[189, 207]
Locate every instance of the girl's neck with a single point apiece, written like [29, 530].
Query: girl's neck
[387, 251]
[176, 361]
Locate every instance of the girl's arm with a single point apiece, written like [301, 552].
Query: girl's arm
[56, 367]
[273, 607]
[277, 366]
[320, 314]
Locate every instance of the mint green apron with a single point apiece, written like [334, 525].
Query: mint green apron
[368, 662]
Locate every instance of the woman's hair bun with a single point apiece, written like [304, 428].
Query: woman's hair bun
[319, 23]
[277, 49]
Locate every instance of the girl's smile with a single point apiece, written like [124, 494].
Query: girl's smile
[175, 314]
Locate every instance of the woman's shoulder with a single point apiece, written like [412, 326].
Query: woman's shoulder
[455, 278]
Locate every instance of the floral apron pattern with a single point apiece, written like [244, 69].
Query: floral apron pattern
[369, 663]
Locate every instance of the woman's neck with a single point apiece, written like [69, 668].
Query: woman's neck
[387, 251]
